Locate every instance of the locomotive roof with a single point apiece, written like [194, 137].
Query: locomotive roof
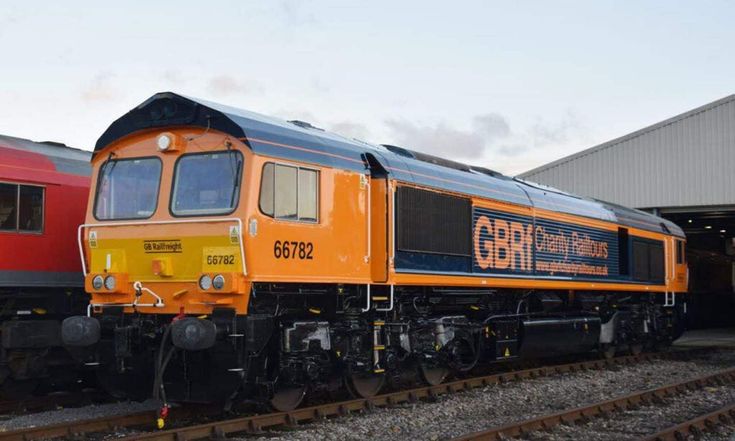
[64, 158]
[297, 140]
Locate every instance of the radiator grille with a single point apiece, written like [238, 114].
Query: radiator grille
[430, 222]
[648, 260]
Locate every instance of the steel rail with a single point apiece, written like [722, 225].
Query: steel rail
[546, 422]
[258, 422]
[695, 426]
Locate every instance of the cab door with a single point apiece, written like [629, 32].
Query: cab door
[379, 194]
[681, 269]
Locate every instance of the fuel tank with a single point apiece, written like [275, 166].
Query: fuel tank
[552, 336]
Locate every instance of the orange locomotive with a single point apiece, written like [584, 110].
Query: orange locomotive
[234, 256]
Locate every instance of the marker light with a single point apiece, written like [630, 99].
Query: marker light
[205, 282]
[219, 281]
[164, 141]
[98, 282]
[110, 282]
[723, 231]
[708, 227]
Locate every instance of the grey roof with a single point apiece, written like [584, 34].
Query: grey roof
[300, 141]
[66, 159]
[686, 160]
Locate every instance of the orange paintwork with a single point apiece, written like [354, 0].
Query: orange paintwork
[177, 284]
[379, 232]
[343, 199]
[348, 246]
[339, 238]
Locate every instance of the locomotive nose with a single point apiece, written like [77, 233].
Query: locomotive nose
[80, 331]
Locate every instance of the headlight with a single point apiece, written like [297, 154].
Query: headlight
[110, 282]
[164, 142]
[98, 282]
[205, 282]
[219, 281]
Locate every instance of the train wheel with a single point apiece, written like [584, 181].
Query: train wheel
[433, 374]
[636, 349]
[287, 397]
[608, 351]
[364, 385]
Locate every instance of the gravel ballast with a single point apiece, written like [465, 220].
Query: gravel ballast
[645, 420]
[451, 415]
[494, 405]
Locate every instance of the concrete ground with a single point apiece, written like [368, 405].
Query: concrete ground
[721, 337]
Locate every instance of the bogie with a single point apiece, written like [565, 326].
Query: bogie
[280, 355]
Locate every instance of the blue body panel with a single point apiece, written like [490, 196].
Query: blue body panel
[502, 243]
[432, 263]
[513, 245]
[585, 252]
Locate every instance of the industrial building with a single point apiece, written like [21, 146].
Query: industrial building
[682, 169]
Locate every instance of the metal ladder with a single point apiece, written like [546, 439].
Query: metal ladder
[378, 346]
[373, 301]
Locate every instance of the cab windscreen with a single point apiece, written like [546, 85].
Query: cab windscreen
[206, 183]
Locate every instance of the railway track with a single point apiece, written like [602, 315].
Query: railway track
[695, 426]
[258, 422]
[603, 408]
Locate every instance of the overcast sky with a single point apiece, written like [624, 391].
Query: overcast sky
[506, 85]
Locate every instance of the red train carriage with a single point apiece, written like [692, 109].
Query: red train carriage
[235, 256]
[43, 192]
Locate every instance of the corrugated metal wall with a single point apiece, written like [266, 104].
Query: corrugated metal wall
[688, 160]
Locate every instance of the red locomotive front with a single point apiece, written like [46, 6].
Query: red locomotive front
[43, 195]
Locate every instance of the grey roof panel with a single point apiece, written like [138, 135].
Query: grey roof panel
[296, 141]
[66, 159]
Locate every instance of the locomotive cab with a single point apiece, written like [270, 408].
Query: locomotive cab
[185, 224]
[165, 223]
[163, 249]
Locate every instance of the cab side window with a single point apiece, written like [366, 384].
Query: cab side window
[30, 213]
[285, 193]
[680, 252]
[21, 208]
[8, 207]
[289, 192]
